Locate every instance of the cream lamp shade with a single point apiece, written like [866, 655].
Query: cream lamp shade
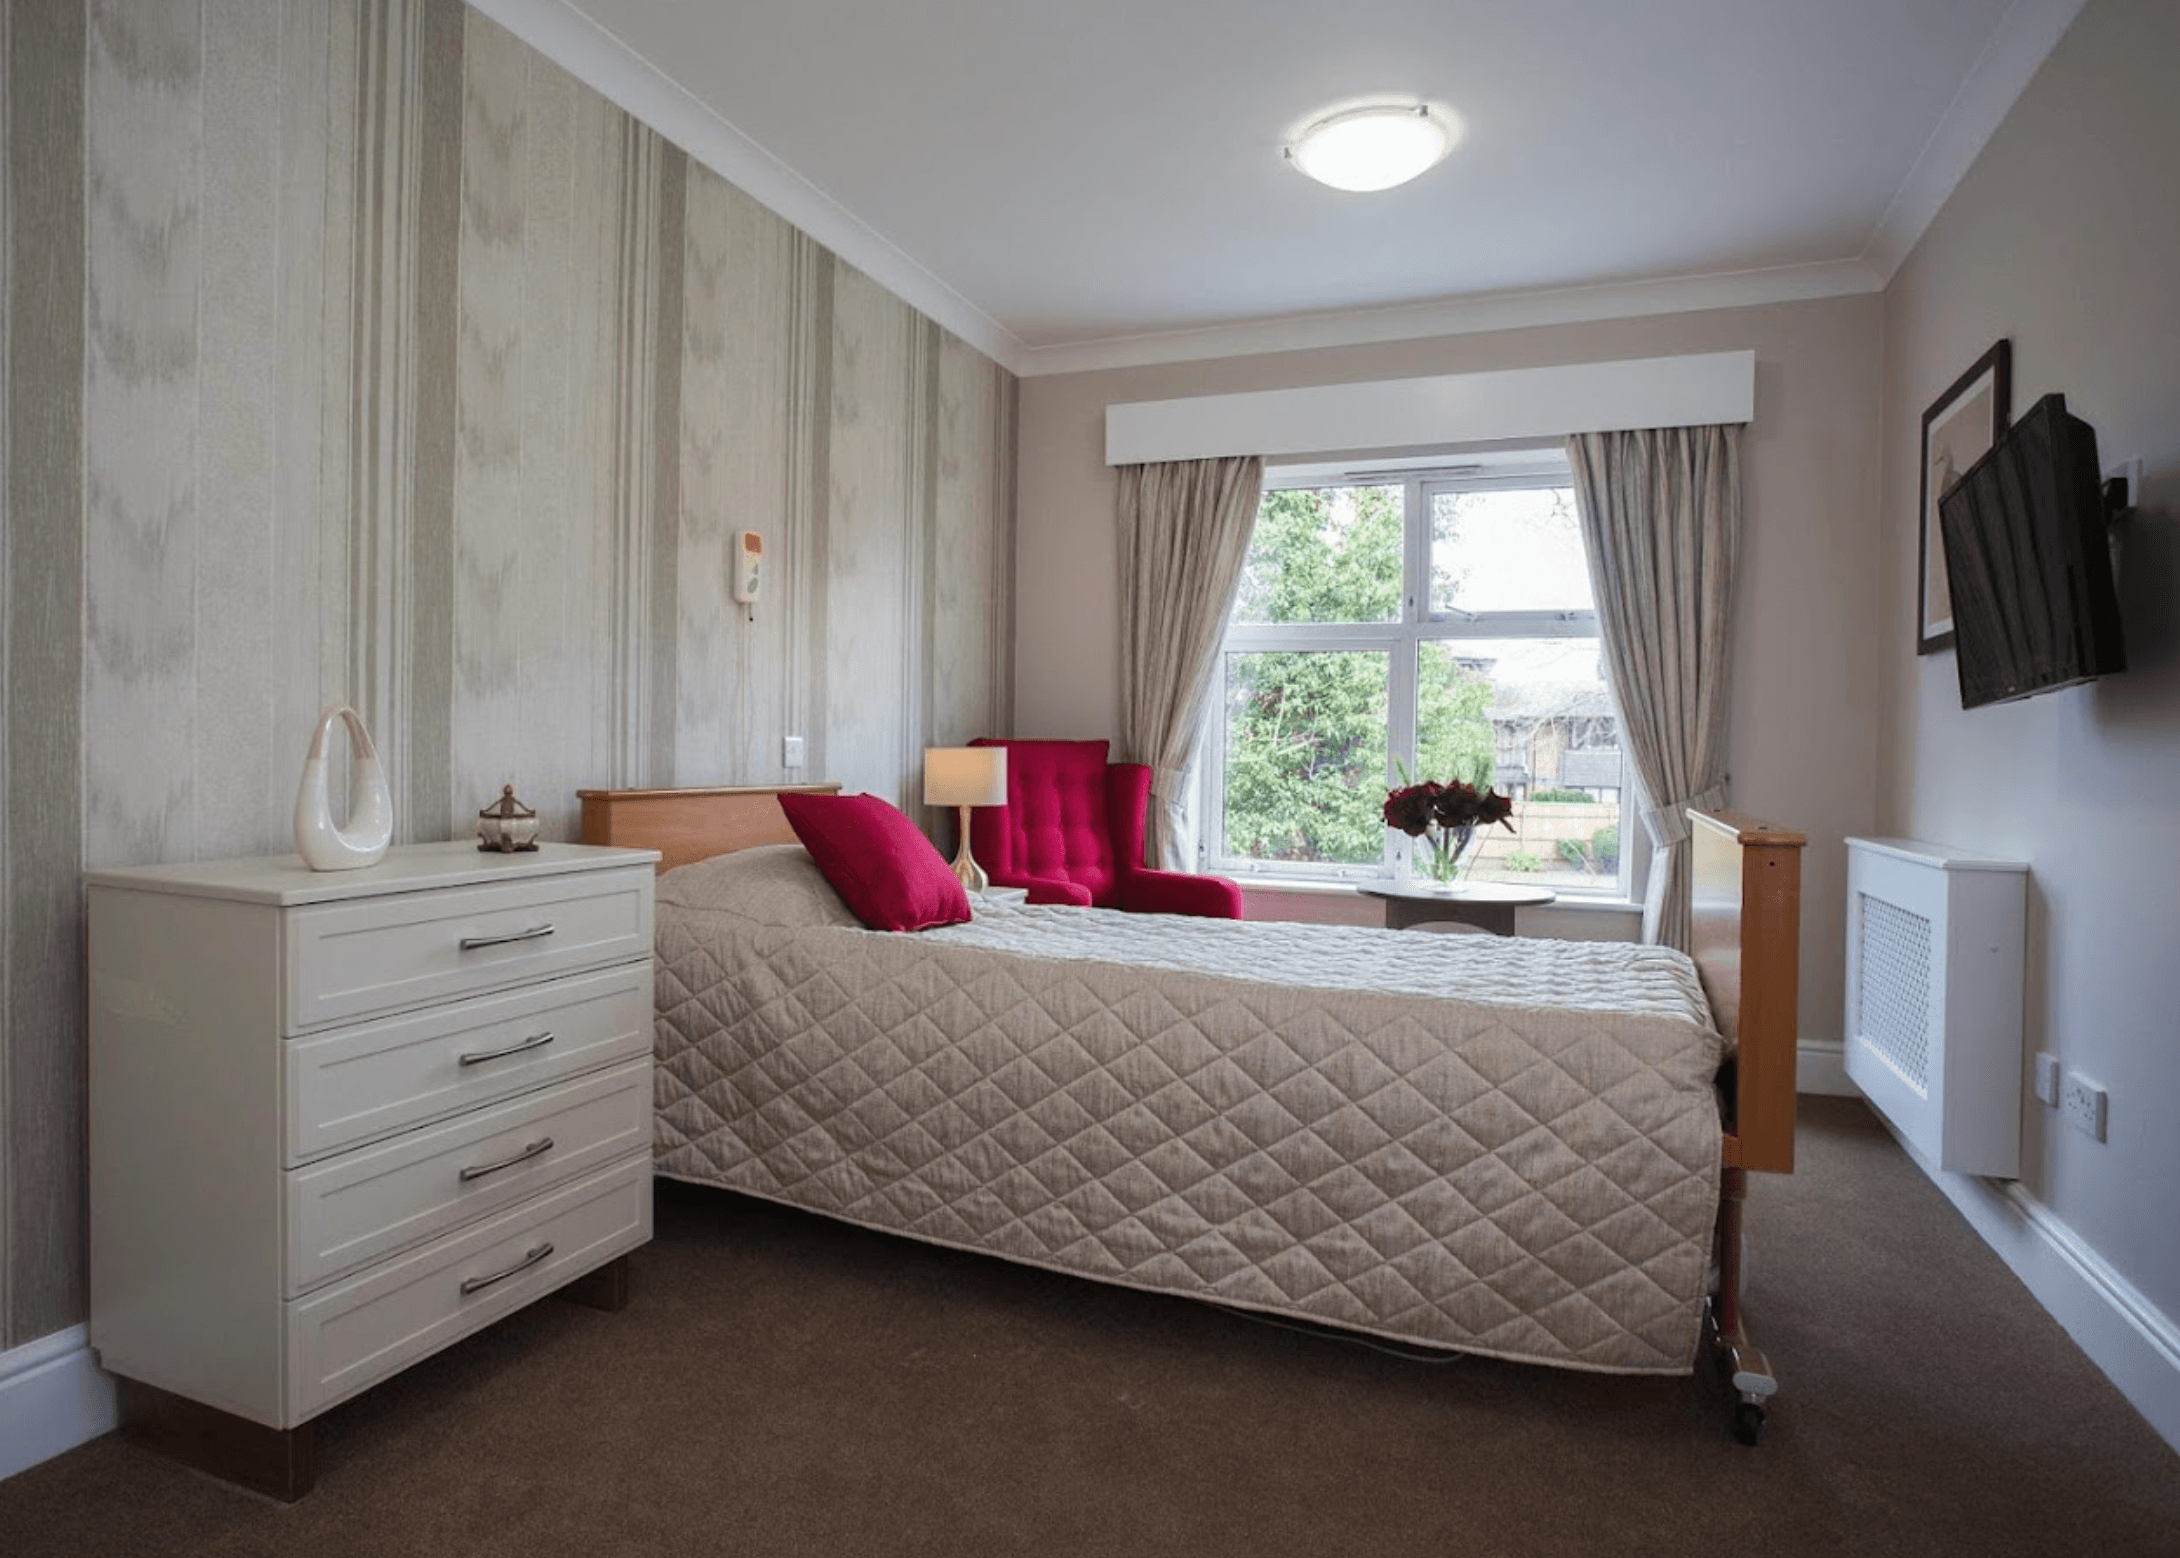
[965, 777]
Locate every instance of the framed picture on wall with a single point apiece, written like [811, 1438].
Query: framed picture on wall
[1958, 430]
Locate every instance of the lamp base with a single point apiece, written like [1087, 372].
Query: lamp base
[965, 866]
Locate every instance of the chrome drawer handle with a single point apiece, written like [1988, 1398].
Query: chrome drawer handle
[478, 1284]
[534, 1041]
[534, 933]
[479, 1170]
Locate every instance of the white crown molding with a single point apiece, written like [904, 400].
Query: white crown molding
[2135, 1344]
[52, 1398]
[2017, 48]
[594, 56]
[2023, 39]
[1460, 316]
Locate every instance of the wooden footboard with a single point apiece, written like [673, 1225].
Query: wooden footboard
[1747, 903]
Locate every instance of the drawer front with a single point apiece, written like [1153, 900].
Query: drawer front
[350, 960]
[364, 1205]
[356, 1333]
[357, 1084]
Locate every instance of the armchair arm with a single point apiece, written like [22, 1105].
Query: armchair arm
[1127, 797]
[1144, 891]
[1044, 889]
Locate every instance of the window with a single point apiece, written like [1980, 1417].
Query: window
[1439, 618]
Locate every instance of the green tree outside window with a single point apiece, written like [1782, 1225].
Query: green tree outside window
[1307, 762]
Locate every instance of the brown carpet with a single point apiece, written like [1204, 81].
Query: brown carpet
[781, 1384]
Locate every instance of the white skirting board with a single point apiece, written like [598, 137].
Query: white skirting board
[1820, 1066]
[52, 1398]
[2135, 1343]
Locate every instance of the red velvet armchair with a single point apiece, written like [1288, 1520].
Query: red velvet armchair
[1072, 832]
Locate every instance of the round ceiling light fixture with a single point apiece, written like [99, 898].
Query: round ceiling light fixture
[1366, 149]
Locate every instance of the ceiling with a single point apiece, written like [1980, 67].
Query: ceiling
[1079, 183]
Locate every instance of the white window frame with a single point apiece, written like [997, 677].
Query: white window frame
[1401, 641]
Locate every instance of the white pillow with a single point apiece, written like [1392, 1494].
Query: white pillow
[772, 884]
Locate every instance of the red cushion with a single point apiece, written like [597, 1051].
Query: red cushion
[888, 873]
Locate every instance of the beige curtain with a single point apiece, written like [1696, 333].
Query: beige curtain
[1184, 530]
[1661, 511]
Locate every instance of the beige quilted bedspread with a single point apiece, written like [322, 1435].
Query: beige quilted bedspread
[1509, 1147]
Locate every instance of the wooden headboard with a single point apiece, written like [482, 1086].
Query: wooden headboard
[687, 825]
[1747, 946]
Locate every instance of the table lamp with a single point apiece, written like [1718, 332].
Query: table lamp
[965, 777]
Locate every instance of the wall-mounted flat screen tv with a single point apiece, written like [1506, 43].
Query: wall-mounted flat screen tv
[2031, 571]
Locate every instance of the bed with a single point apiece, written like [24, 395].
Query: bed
[1525, 1149]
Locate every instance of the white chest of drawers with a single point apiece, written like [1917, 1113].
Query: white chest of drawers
[340, 1120]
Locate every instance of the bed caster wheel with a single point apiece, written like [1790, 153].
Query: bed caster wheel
[1748, 1422]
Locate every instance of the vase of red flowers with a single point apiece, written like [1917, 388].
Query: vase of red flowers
[1446, 817]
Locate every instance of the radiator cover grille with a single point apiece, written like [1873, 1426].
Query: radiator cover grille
[1893, 1000]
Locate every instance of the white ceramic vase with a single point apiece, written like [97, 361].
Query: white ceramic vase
[370, 827]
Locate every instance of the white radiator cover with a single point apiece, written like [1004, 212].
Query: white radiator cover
[1934, 964]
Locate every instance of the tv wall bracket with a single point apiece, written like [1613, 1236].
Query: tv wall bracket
[2116, 499]
[2122, 490]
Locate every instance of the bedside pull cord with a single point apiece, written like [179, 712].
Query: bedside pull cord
[479, 1170]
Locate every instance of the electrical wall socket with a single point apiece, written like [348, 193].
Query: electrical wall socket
[791, 751]
[2082, 1101]
[2047, 1077]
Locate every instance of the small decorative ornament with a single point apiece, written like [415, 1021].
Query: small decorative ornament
[507, 825]
[370, 827]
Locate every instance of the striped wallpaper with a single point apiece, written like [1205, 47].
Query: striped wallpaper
[353, 351]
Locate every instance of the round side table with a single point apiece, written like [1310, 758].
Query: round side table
[1486, 905]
